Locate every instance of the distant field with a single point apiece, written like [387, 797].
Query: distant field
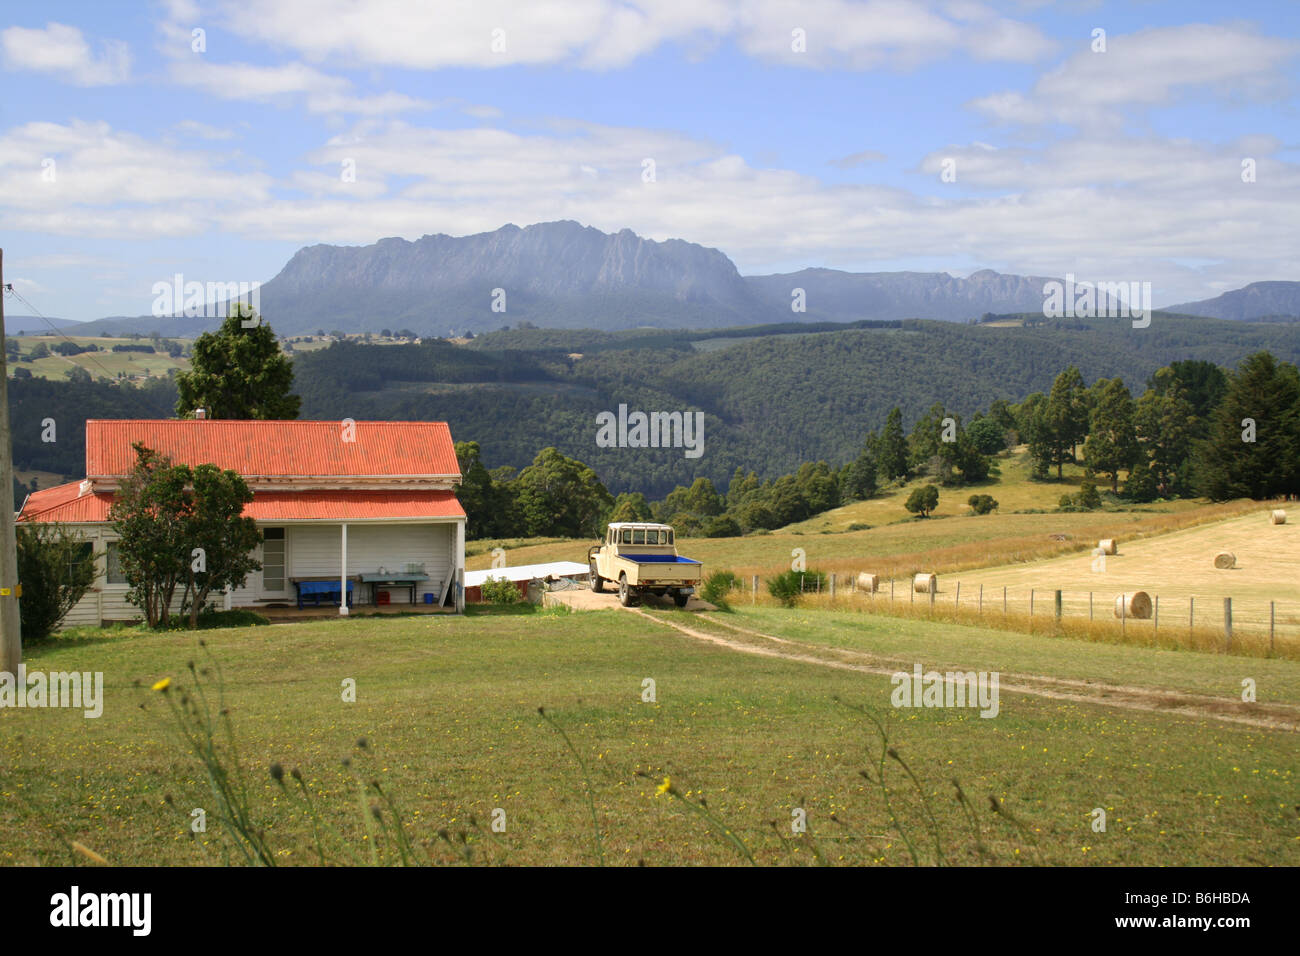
[1011, 487]
[448, 708]
[104, 364]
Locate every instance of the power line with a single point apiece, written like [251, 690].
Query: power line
[9, 287]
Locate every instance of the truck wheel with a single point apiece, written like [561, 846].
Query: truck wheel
[596, 581]
[625, 593]
[680, 598]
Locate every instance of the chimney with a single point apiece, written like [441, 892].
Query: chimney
[200, 414]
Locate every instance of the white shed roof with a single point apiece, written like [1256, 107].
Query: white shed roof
[526, 572]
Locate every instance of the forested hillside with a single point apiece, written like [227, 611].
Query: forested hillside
[770, 401]
[773, 397]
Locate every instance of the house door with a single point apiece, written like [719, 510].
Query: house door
[274, 582]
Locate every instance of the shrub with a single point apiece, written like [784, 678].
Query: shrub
[501, 591]
[859, 526]
[1088, 496]
[209, 617]
[717, 586]
[56, 569]
[982, 504]
[789, 586]
[722, 526]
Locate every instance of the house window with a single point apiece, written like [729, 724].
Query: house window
[113, 565]
[273, 559]
[85, 552]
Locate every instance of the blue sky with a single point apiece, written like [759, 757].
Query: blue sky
[1122, 164]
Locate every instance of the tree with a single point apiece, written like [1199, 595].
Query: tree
[1111, 445]
[700, 499]
[1163, 422]
[818, 486]
[982, 504]
[860, 479]
[220, 539]
[631, 506]
[1062, 421]
[562, 497]
[56, 568]
[987, 435]
[488, 502]
[238, 372]
[922, 501]
[1253, 450]
[891, 452]
[149, 514]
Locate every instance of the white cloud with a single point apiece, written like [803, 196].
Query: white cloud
[1149, 68]
[63, 51]
[116, 184]
[602, 34]
[1119, 208]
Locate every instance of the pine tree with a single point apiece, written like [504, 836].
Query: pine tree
[1111, 444]
[1254, 446]
[238, 372]
[892, 450]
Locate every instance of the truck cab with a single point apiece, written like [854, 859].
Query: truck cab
[640, 557]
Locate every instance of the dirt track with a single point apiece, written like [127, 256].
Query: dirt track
[746, 641]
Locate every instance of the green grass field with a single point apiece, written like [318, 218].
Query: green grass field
[448, 707]
[106, 364]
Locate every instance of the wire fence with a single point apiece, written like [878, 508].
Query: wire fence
[1232, 624]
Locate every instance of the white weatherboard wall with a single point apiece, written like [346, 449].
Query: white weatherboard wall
[316, 550]
[310, 550]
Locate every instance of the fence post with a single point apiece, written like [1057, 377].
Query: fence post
[1271, 605]
[1227, 621]
[1090, 605]
[981, 600]
[1058, 604]
[933, 592]
[1155, 619]
[832, 584]
[754, 599]
[1123, 615]
[891, 592]
[1191, 615]
[1031, 602]
[1004, 600]
[957, 603]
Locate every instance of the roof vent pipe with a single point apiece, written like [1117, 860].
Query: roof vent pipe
[200, 414]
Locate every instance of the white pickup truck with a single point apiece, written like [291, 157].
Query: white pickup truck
[641, 558]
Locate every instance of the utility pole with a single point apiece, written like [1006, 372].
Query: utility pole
[11, 640]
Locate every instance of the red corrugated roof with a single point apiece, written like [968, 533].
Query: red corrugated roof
[64, 504]
[276, 449]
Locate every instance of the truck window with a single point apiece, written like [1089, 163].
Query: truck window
[627, 535]
[638, 536]
[670, 537]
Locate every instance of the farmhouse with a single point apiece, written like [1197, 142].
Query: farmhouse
[366, 508]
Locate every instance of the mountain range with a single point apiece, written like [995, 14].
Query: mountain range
[565, 275]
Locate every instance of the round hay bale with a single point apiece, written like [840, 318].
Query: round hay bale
[1108, 546]
[925, 583]
[868, 582]
[1136, 605]
[1277, 517]
[1225, 560]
